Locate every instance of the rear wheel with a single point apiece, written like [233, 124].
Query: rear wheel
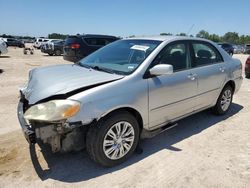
[113, 139]
[58, 52]
[224, 101]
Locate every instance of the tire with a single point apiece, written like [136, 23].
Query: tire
[247, 75]
[116, 147]
[224, 101]
[58, 53]
[51, 54]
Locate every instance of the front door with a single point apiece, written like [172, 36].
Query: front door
[172, 96]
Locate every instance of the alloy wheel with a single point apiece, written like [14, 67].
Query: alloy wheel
[118, 140]
[226, 99]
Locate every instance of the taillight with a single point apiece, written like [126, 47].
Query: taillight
[248, 61]
[75, 46]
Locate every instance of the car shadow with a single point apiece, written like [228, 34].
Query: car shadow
[4, 56]
[76, 167]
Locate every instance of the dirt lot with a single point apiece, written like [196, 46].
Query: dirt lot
[203, 151]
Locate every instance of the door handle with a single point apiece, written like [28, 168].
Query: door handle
[222, 69]
[192, 76]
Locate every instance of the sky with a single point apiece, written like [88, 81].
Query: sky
[123, 17]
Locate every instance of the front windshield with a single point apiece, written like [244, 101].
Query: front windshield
[120, 57]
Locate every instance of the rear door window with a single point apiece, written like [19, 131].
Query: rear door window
[205, 54]
[109, 40]
[101, 42]
[91, 41]
[97, 41]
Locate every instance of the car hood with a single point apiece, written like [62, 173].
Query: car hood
[61, 79]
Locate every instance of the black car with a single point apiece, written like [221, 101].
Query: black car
[53, 48]
[14, 42]
[77, 47]
[247, 49]
[227, 47]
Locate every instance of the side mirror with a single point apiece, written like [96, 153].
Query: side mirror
[161, 69]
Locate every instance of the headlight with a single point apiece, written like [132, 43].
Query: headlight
[53, 110]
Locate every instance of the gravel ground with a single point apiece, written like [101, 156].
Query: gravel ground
[203, 151]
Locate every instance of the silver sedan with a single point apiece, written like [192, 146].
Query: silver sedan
[130, 89]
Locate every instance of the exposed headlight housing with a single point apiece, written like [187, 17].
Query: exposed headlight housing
[54, 110]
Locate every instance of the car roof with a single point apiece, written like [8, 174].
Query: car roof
[93, 36]
[166, 38]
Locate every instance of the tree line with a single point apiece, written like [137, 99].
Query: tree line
[230, 37]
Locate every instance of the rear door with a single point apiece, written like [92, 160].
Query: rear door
[210, 69]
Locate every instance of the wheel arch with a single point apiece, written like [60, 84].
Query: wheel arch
[230, 83]
[131, 110]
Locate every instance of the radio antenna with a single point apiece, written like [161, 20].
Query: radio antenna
[190, 29]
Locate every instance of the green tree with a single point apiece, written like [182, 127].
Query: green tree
[203, 34]
[166, 34]
[215, 38]
[244, 39]
[231, 37]
[57, 36]
[182, 34]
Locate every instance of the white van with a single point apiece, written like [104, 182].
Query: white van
[3, 47]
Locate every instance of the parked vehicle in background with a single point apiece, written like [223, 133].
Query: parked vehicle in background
[242, 48]
[127, 90]
[227, 47]
[40, 41]
[247, 49]
[3, 47]
[28, 40]
[46, 44]
[239, 49]
[247, 68]
[77, 47]
[53, 48]
[14, 42]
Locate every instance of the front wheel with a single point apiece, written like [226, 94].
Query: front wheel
[113, 139]
[224, 101]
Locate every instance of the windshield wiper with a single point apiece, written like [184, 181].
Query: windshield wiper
[98, 68]
[85, 66]
[102, 69]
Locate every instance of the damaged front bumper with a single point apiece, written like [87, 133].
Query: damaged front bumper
[61, 136]
[29, 133]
